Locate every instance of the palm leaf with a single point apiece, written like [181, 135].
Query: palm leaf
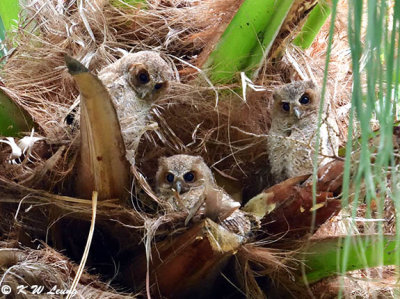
[13, 119]
[323, 258]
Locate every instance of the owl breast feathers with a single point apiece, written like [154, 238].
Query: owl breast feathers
[294, 126]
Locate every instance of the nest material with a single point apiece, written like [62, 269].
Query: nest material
[22, 269]
[369, 283]
[229, 133]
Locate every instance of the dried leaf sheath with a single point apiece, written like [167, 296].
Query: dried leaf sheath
[287, 208]
[187, 264]
[102, 165]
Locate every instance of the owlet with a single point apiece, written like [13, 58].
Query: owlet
[135, 82]
[188, 184]
[294, 125]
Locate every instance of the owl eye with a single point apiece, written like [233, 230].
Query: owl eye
[188, 177]
[286, 106]
[143, 77]
[170, 177]
[304, 99]
[158, 86]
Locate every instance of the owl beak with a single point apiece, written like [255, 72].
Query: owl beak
[178, 187]
[144, 95]
[297, 112]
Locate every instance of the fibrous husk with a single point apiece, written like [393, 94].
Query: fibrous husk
[47, 273]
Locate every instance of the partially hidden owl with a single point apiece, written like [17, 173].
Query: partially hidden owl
[294, 125]
[188, 185]
[135, 82]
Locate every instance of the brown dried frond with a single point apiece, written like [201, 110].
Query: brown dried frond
[47, 268]
[368, 283]
[255, 262]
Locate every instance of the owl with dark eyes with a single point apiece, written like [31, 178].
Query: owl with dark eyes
[188, 184]
[135, 82]
[294, 125]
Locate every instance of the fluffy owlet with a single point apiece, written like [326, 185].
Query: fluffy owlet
[294, 125]
[188, 184]
[135, 82]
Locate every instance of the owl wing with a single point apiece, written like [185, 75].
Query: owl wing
[279, 152]
[219, 204]
[239, 223]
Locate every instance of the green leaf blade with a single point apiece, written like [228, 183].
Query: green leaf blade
[313, 25]
[9, 10]
[322, 257]
[247, 38]
[13, 120]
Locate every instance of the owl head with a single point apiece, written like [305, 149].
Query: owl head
[147, 73]
[180, 173]
[296, 100]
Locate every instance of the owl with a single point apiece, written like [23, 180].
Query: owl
[187, 184]
[135, 82]
[294, 125]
